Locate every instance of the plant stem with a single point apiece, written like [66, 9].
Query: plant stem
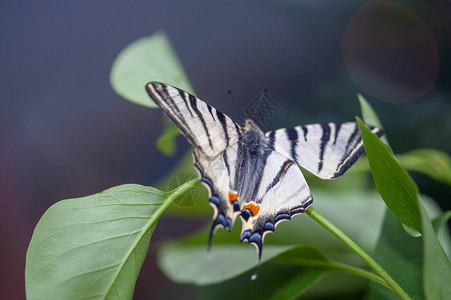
[323, 221]
[362, 273]
[178, 191]
[330, 264]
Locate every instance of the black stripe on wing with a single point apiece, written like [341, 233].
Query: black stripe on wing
[324, 140]
[197, 120]
[193, 102]
[354, 139]
[160, 95]
[184, 96]
[293, 136]
[283, 169]
[353, 152]
[222, 119]
[305, 131]
[337, 131]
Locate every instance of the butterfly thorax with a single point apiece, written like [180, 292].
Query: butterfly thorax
[254, 140]
[254, 150]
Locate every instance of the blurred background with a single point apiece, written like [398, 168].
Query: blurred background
[64, 133]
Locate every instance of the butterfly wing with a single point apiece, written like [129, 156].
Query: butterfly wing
[206, 128]
[216, 174]
[327, 150]
[215, 139]
[282, 194]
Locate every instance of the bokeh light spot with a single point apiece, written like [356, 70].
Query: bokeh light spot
[390, 52]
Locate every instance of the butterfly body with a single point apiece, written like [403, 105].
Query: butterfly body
[253, 174]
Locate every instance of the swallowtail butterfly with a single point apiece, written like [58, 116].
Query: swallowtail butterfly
[255, 174]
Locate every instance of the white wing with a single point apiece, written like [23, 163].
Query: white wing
[217, 174]
[327, 150]
[215, 139]
[282, 194]
[206, 129]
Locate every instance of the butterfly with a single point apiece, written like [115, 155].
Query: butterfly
[253, 174]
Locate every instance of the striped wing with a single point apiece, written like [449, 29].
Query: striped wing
[282, 194]
[214, 137]
[217, 174]
[327, 150]
[206, 128]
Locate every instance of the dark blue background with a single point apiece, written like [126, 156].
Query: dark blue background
[64, 133]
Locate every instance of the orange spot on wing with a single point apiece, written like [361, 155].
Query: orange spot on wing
[254, 208]
[233, 196]
[285, 169]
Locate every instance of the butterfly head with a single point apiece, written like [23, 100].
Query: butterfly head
[253, 139]
[249, 125]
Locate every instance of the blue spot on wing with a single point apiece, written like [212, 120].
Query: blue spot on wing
[256, 238]
[269, 226]
[245, 235]
[207, 181]
[229, 224]
[220, 219]
[282, 216]
[215, 199]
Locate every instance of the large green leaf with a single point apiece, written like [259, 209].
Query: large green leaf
[150, 58]
[192, 264]
[400, 192]
[402, 256]
[396, 187]
[286, 271]
[274, 282]
[93, 247]
[436, 267]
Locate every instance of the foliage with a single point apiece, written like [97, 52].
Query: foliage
[94, 247]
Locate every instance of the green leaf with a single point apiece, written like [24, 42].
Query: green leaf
[276, 279]
[369, 115]
[431, 162]
[436, 268]
[400, 194]
[396, 187]
[441, 220]
[285, 271]
[402, 256]
[93, 247]
[166, 142]
[274, 282]
[150, 58]
[191, 264]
